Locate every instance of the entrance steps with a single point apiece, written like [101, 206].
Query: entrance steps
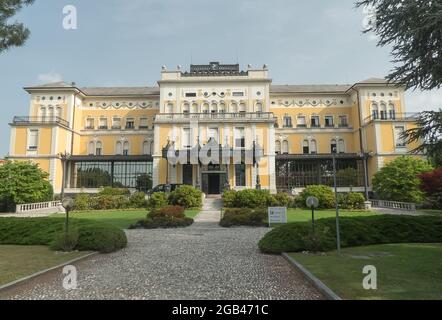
[212, 204]
[210, 214]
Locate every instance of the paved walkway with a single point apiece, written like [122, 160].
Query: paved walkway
[203, 261]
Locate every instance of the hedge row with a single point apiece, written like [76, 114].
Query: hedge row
[185, 196]
[108, 201]
[165, 217]
[92, 235]
[244, 217]
[355, 231]
[252, 198]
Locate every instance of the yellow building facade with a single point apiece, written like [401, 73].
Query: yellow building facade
[213, 127]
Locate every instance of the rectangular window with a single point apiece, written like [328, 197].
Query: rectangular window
[186, 138]
[343, 122]
[130, 123]
[287, 122]
[301, 121]
[398, 134]
[116, 123]
[33, 140]
[190, 94]
[315, 121]
[238, 94]
[240, 141]
[143, 123]
[213, 134]
[329, 122]
[240, 175]
[103, 123]
[90, 124]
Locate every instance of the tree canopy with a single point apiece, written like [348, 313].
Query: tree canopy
[15, 34]
[414, 30]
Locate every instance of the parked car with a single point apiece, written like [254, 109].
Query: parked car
[167, 188]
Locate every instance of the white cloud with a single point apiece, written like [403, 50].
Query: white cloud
[50, 77]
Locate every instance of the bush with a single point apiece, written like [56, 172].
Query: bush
[92, 235]
[228, 198]
[355, 231]
[107, 202]
[351, 200]
[398, 180]
[157, 200]
[23, 182]
[138, 200]
[282, 199]
[249, 198]
[431, 184]
[324, 194]
[244, 217]
[82, 202]
[109, 191]
[65, 242]
[187, 197]
[165, 217]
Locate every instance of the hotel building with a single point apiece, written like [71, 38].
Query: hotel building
[122, 136]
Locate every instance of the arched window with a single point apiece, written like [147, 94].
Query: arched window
[58, 112]
[119, 148]
[375, 111]
[333, 146]
[214, 108]
[313, 147]
[98, 148]
[285, 147]
[222, 108]
[194, 108]
[146, 147]
[169, 108]
[126, 148]
[383, 111]
[258, 107]
[91, 148]
[205, 108]
[51, 112]
[43, 112]
[278, 147]
[391, 111]
[233, 107]
[186, 108]
[305, 147]
[242, 107]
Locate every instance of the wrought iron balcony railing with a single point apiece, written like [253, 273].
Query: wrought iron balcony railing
[217, 116]
[392, 117]
[25, 120]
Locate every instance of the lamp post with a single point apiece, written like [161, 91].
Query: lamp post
[68, 204]
[257, 155]
[338, 236]
[64, 157]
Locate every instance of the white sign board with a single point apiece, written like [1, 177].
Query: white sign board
[277, 215]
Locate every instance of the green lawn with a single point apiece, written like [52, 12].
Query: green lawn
[301, 215]
[119, 218]
[405, 271]
[20, 261]
[431, 212]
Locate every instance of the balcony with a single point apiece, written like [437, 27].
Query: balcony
[409, 117]
[102, 127]
[216, 117]
[25, 121]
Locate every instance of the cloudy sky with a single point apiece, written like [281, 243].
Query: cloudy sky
[121, 43]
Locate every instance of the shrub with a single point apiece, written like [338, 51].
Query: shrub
[82, 202]
[398, 180]
[92, 235]
[244, 217]
[324, 194]
[431, 184]
[109, 191]
[355, 231]
[351, 200]
[252, 198]
[157, 200]
[187, 197]
[138, 200]
[282, 199]
[23, 182]
[65, 242]
[107, 202]
[229, 197]
[165, 217]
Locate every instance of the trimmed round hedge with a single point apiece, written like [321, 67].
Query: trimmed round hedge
[355, 231]
[92, 235]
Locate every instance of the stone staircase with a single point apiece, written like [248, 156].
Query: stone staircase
[210, 213]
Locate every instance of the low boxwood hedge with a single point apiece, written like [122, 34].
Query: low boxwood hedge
[92, 235]
[244, 217]
[165, 217]
[355, 231]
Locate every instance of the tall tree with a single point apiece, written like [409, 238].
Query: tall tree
[428, 134]
[14, 34]
[414, 30]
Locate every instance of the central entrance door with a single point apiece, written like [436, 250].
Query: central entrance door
[214, 183]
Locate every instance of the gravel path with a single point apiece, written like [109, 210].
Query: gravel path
[200, 262]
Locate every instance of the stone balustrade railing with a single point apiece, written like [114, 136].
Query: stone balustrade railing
[404, 206]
